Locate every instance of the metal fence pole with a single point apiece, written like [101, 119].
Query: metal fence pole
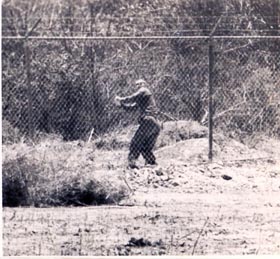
[28, 78]
[210, 97]
[29, 88]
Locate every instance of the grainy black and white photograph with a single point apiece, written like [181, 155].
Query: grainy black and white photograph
[140, 127]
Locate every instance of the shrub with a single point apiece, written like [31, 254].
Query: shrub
[174, 131]
[10, 134]
[14, 182]
[87, 192]
[249, 105]
[55, 174]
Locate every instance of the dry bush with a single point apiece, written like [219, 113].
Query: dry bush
[10, 134]
[53, 173]
[247, 102]
[174, 131]
[14, 182]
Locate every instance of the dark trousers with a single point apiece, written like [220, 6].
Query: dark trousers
[144, 140]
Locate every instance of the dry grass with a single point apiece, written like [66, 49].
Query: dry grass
[10, 134]
[55, 173]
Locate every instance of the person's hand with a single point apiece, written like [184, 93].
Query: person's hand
[118, 100]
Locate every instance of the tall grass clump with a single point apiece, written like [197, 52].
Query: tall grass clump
[14, 182]
[54, 173]
[10, 134]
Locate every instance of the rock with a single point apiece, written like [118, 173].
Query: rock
[165, 178]
[159, 172]
[175, 184]
[140, 242]
[226, 177]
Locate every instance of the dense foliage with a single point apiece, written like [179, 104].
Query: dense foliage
[72, 83]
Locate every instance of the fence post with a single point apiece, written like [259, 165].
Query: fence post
[29, 88]
[28, 78]
[210, 97]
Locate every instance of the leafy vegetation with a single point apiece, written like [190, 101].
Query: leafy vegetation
[73, 82]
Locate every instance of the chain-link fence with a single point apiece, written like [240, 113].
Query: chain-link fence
[67, 86]
[247, 87]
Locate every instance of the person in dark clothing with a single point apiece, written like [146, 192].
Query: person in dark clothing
[148, 131]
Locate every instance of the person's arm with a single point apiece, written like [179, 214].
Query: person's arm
[126, 103]
[129, 106]
[132, 98]
[130, 102]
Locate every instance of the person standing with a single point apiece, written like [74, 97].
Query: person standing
[146, 135]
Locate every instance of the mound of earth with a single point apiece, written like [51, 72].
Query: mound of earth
[184, 168]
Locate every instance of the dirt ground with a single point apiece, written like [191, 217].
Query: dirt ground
[184, 206]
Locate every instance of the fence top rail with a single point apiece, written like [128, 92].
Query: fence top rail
[135, 37]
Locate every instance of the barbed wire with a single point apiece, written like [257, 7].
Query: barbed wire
[154, 31]
[176, 34]
[139, 37]
[234, 16]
